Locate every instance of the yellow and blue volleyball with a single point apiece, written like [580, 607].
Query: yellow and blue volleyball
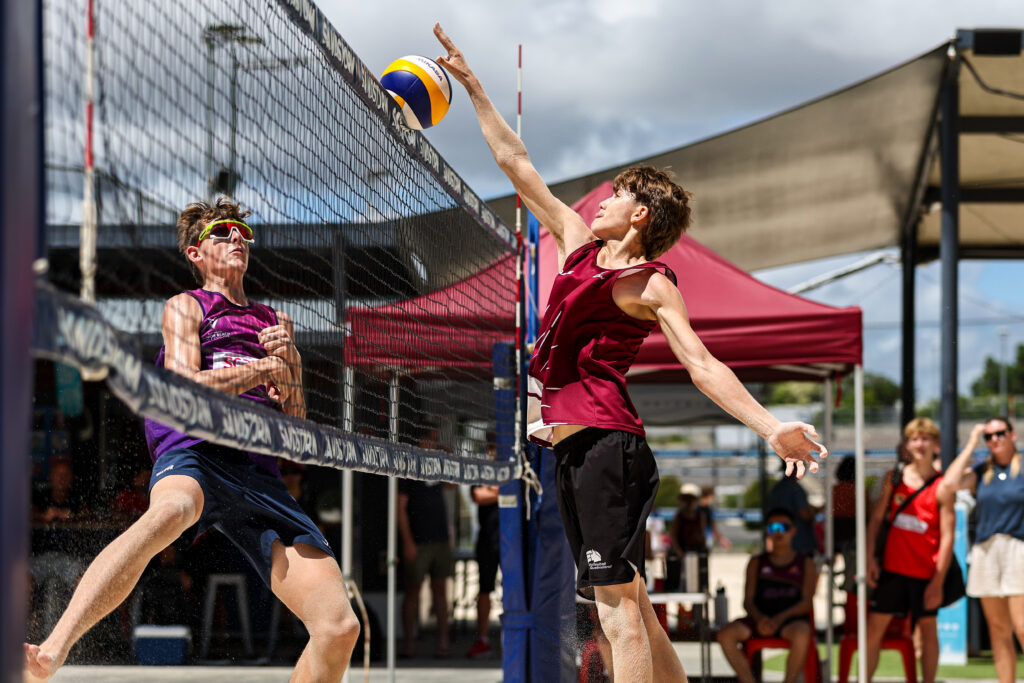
[421, 88]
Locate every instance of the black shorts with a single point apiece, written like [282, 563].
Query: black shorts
[487, 560]
[243, 501]
[606, 481]
[900, 595]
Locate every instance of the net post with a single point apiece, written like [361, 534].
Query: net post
[21, 187]
[347, 476]
[393, 398]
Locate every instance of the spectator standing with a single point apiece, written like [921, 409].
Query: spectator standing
[488, 544]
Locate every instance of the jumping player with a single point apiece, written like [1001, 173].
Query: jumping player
[216, 336]
[609, 294]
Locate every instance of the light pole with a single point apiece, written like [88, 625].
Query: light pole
[1003, 402]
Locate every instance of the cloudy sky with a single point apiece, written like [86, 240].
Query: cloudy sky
[608, 81]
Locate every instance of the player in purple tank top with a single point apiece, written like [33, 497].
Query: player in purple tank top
[609, 294]
[216, 336]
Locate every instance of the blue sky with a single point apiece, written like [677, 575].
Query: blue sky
[607, 81]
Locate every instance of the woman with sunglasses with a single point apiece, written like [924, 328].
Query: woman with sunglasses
[996, 561]
[216, 336]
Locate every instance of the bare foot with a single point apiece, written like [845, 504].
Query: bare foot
[39, 665]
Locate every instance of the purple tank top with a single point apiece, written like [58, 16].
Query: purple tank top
[228, 336]
[585, 347]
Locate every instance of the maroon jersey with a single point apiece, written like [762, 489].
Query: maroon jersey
[586, 346]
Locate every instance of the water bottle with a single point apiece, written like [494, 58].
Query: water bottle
[721, 606]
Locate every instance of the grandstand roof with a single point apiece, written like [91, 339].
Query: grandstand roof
[857, 169]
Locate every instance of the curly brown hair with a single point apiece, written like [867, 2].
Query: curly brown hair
[668, 203]
[197, 216]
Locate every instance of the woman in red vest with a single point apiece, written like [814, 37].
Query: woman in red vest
[917, 504]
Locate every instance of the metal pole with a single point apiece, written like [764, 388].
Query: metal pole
[830, 541]
[908, 396]
[348, 424]
[233, 94]
[209, 117]
[87, 246]
[21, 214]
[392, 528]
[347, 477]
[861, 506]
[949, 246]
[1004, 407]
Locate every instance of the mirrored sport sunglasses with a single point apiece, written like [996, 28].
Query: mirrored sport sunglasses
[992, 435]
[220, 231]
[777, 528]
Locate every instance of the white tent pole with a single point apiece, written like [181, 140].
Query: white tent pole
[392, 527]
[862, 558]
[348, 424]
[830, 541]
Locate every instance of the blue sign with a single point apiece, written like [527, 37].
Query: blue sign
[952, 620]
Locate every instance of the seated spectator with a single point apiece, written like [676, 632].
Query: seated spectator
[790, 495]
[780, 587]
[165, 592]
[59, 501]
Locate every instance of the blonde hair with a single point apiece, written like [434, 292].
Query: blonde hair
[921, 425]
[990, 463]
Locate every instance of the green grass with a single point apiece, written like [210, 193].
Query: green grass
[890, 665]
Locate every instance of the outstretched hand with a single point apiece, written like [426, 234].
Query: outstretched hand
[795, 443]
[454, 62]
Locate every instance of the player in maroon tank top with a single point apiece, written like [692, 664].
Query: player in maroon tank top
[643, 219]
[217, 337]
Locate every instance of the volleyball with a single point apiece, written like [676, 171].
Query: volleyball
[421, 88]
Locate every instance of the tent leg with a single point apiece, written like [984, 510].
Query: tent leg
[830, 541]
[392, 528]
[862, 559]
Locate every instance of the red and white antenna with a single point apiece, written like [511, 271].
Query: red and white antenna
[520, 285]
[87, 242]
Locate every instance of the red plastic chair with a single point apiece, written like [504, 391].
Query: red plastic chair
[591, 664]
[897, 637]
[812, 667]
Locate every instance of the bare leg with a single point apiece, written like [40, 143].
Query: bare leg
[664, 660]
[308, 581]
[439, 595]
[1004, 654]
[1016, 603]
[176, 503]
[410, 611]
[877, 623]
[618, 608]
[731, 638]
[799, 635]
[929, 648]
[483, 614]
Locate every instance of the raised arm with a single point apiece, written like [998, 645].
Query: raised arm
[180, 327]
[564, 224]
[959, 474]
[792, 441]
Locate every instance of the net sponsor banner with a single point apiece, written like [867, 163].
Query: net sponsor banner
[311, 20]
[69, 331]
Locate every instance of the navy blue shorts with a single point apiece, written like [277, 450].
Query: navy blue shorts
[243, 501]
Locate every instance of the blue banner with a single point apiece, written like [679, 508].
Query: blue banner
[952, 620]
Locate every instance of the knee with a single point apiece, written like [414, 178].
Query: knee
[621, 624]
[172, 511]
[339, 632]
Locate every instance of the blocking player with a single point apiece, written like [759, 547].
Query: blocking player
[216, 336]
[609, 294]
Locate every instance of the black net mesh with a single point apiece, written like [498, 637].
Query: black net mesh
[394, 274]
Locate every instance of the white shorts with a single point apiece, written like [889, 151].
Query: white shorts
[994, 567]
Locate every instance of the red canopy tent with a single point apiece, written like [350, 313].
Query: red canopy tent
[761, 332]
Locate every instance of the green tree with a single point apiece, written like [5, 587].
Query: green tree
[668, 490]
[988, 383]
[794, 393]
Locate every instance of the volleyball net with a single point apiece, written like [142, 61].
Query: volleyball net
[399, 280]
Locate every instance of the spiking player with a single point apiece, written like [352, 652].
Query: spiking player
[608, 296]
[216, 336]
